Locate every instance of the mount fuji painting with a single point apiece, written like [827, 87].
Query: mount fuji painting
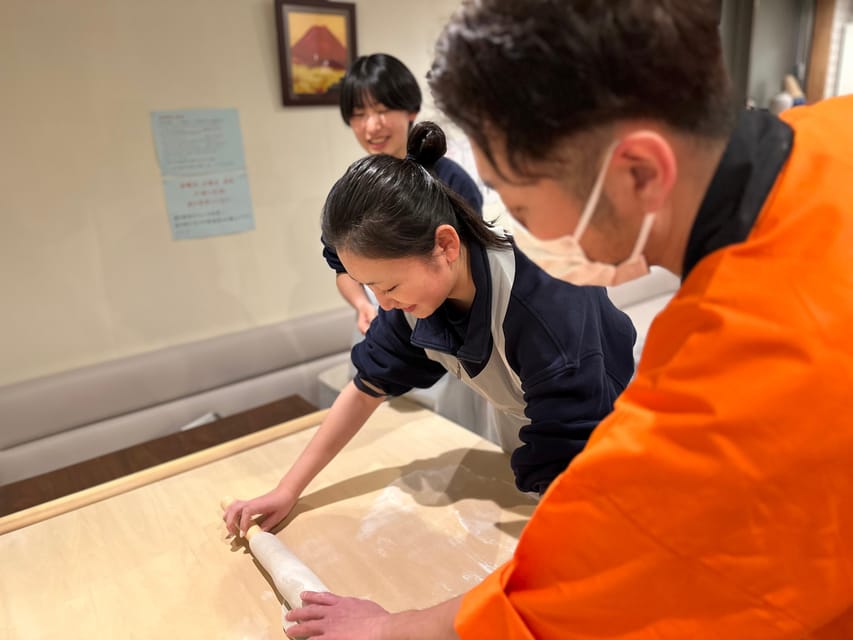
[317, 42]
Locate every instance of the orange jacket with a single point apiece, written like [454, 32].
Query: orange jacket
[716, 501]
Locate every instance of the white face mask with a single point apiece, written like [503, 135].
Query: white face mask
[565, 259]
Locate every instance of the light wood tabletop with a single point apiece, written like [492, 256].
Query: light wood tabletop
[415, 510]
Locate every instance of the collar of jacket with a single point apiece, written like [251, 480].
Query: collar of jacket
[436, 332]
[756, 152]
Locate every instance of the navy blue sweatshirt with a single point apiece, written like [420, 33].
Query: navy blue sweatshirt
[551, 357]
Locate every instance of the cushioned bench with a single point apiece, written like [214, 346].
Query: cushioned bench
[60, 419]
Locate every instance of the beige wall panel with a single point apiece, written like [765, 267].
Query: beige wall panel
[88, 269]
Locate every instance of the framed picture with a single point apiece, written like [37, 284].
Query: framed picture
[316, 45]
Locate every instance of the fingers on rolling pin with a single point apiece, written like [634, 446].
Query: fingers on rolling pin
[224, 503]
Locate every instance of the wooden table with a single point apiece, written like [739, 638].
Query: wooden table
[415, 510]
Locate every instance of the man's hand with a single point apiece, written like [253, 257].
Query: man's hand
[337, 618]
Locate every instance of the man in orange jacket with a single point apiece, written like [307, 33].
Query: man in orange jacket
[715, 501]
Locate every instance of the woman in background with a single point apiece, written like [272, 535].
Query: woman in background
[380, 100]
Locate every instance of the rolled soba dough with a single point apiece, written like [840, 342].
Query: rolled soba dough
[289, 574]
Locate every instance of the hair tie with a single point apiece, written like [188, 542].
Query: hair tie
[411, 157]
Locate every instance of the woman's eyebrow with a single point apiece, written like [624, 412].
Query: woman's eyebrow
[366, 284]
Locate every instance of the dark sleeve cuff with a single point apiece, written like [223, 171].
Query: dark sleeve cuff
[369, 389]
[536, 467]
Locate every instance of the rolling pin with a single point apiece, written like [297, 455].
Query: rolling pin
[289, 574]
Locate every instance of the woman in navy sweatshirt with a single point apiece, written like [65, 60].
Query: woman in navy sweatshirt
[457, 295]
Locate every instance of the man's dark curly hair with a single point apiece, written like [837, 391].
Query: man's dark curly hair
[536, 72]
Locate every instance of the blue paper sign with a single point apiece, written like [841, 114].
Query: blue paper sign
[206, 186]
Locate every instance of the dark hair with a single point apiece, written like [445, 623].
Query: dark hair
[538, 72]
[382, 78]
[385, 207]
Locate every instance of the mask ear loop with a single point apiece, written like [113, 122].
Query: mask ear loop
[595, 194]
[645, 230]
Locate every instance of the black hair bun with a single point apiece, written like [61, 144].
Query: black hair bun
[427, 143]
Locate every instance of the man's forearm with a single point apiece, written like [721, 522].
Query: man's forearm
[435, 623]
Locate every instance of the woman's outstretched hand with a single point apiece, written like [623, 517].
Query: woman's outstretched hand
[270, 508]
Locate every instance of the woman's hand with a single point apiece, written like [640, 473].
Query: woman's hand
[366, 313]
[272, 508]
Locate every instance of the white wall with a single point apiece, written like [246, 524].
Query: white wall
[840, 53]
[776, 25]
[88, 269]
[845, 63]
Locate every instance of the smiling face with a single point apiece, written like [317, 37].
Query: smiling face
[417, 284]
[379, 129]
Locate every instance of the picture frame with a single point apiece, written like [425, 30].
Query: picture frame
[316, 45]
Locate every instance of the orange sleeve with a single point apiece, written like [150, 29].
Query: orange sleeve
[487, 612]
[676, 546]
[585, 569]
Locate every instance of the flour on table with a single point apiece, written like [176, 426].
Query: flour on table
[428, 488]
[384, 510]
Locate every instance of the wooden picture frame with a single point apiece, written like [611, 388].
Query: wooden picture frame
[316, 45]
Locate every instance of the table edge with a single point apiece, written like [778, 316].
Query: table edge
[47, 510]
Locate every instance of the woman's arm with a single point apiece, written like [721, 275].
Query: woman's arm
[354, 293]
[348, 414]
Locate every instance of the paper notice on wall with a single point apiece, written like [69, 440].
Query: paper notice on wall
[205, 183]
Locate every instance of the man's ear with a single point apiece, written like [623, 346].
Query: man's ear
[646, 171]
[447, 243]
